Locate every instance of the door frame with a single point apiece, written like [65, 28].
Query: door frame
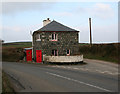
[40, 56]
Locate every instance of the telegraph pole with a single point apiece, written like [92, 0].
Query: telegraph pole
[90, 32]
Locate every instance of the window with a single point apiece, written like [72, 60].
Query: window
[68, 52]
[55, 52]
[54, 37]
[38, 37]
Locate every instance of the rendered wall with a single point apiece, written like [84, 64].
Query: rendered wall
[61, 59]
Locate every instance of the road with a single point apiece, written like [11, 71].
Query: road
[95, 76]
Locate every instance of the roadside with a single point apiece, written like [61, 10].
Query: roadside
[100, 62]
[6, 84]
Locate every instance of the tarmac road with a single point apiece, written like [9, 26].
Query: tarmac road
[91, 77]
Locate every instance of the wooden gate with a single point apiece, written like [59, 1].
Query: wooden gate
[38, 56]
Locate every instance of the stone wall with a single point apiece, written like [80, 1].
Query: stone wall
[63, 59]
[66, 40]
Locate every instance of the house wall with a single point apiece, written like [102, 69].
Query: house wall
[66, 40]
[61, 59]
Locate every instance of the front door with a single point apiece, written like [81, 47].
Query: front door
[38, 56]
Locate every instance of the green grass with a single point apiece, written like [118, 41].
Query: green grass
[6, 85]
[98, 57]
[106, 52]
[18, 44]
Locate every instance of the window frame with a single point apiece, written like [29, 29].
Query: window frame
[38, 37]
[67, 52]
[54, 37]
[55, 52]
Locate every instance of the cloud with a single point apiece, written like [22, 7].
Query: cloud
[101, 10]
[98, 10]
[100, 34]
[11, 28]
[16, 7]
[15, 33]
[18, 32]
[63, 14]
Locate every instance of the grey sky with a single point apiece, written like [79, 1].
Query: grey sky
[19, 18]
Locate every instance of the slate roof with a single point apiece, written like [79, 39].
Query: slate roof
[56, 26]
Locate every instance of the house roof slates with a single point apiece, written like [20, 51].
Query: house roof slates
[55, 26]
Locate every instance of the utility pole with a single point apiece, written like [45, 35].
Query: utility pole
[90, 32]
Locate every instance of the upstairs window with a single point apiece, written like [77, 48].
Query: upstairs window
[38, 37]
[54, 37]
[68, 52]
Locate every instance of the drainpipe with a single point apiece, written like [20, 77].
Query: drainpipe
[32, 43]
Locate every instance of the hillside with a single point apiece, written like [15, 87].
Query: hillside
[14, 51]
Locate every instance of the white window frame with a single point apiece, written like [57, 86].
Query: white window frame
[54, 37]
[54, 52]
[38, 37]
[68, 53]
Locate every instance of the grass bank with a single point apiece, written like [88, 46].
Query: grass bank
[106, 52]
[18, 44]
[6, 85]
[13, 52]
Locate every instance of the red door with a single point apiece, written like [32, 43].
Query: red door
[28, 55]
[38, 56]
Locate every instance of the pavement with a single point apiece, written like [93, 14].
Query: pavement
[95, 76]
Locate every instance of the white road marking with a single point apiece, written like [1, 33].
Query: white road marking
[76, 68]
[57, 66]
[78, 81]
[68, 67]
[85, 69]
[63, 67]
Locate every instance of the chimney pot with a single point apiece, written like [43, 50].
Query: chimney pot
[45, 22]
[48, 19]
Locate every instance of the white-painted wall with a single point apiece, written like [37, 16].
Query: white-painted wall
[61, 59]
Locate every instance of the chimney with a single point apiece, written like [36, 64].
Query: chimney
[45, 22]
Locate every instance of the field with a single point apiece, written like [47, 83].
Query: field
[14, 51]
[107, 52]
[18, 44]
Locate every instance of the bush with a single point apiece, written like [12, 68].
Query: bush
[12, 54]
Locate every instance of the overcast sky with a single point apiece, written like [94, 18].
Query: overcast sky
[18, 19]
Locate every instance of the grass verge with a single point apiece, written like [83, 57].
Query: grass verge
[98, 57]
[6, 85]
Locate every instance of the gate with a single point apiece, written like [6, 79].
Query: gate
[29, 55]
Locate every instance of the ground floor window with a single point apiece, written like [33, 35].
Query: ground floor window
[54, 52]
[68, 51]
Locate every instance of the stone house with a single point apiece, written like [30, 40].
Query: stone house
[54, 39]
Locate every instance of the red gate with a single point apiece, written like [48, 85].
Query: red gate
[29, 55]
[38, 56]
